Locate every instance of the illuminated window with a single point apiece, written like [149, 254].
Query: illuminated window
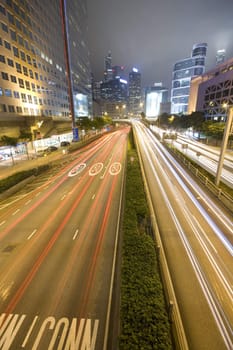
[8, 93]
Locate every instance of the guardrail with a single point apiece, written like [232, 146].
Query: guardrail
[224, 197]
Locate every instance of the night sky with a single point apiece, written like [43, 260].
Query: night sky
[153, 34]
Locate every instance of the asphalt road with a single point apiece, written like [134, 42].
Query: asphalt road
[58, 242]
[197, 236]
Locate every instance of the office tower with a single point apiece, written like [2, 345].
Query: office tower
[76, 24]
[32, 62]
[155, 96]
[114, 90]
[134, 98]
[212, 92]
[108, 74]
[184, 70]
[220, 56]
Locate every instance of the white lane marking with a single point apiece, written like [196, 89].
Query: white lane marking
[93, 197]
[29, 201]
[38, 194]
[76, 234]
[33, 232]
[77, 169]
[96, 169]
[115, 168]
[29, 332]
[66, 333]
[2, 223]
[15, 212]
[63, 197]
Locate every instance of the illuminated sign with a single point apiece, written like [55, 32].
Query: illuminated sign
[153, 100]
[135, 70]
[81, 105]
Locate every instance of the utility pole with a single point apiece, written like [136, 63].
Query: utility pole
[68, 66]
[227, 131]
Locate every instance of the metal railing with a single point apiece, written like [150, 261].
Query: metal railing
[223, 196]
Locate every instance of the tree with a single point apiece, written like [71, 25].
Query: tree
[214, 129]
[25, 135]
[9, 141]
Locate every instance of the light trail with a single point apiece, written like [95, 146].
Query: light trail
[153, 150]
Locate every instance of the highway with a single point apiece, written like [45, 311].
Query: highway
[197, 237]
[205, 156]
[58, 251]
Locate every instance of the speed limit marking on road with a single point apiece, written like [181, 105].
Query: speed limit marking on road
[115, 168]
[77, 169]
[96, 169]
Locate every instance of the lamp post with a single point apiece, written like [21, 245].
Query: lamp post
[224, 144]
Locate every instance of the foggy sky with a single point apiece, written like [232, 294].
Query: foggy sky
[153, 34]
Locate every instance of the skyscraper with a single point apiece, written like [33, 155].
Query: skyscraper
[134, 99]
[184, 70]
[76, 23]
[108, 74]
[32, 62]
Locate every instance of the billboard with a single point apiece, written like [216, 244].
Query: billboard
[153, 100]
[81, 105]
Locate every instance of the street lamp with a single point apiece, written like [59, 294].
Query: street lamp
[224, 144]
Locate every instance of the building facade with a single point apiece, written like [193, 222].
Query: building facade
[114, 90]
[134, 91]
[79, 56]
[212, 92]
[32, 61]
[184, 70]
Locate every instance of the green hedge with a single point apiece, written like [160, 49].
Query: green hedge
[13, 180]
[144, 318]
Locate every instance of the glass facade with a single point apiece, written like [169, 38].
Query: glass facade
[32, 62]
[134, 92]
[184, 70]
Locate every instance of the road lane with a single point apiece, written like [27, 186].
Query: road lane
[198, 252]
[56, 282]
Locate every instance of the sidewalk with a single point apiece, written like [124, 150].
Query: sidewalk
[8, 170]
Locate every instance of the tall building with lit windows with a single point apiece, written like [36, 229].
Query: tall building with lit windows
[134, 98]
[108, 72]
[184, 70]
[33, 67]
